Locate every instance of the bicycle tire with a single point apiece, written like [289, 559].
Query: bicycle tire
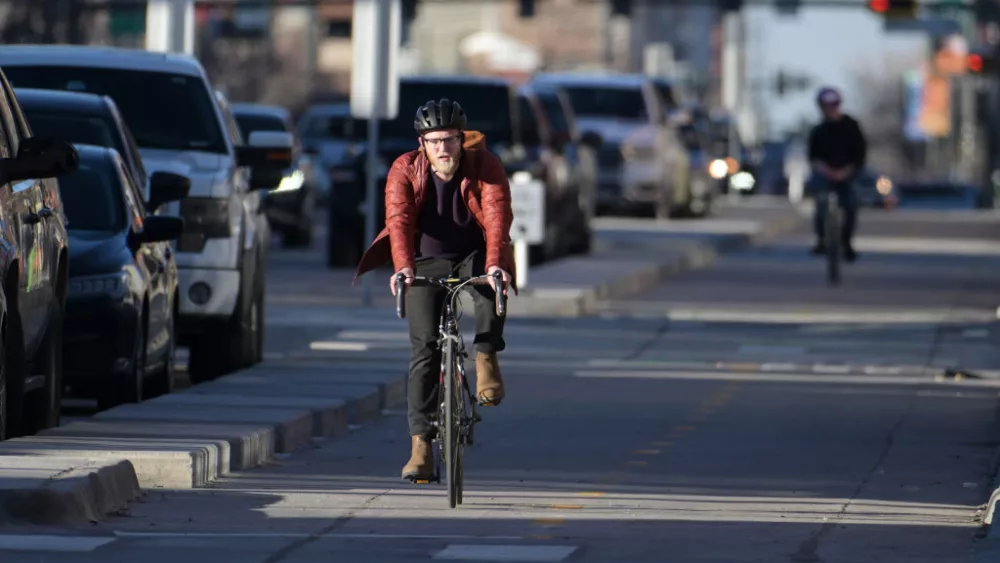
[833, 240]
[452, 436]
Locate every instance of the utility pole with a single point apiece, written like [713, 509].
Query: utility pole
[732, 67]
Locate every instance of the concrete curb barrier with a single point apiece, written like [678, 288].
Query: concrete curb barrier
[63, 490]
[82, 472]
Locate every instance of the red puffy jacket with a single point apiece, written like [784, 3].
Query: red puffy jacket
[484, 188]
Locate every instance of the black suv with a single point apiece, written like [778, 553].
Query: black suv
[34, 265]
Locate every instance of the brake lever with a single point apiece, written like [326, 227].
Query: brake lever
[400, 288]
[501, 300]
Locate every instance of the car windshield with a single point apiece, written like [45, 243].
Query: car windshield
[554, 112]
[164, 110]
[667, 93]
[249, 123]
[335, 126]
[92, 199]
[488, 107]
[530, 133]
[75, 128]
[607, 101]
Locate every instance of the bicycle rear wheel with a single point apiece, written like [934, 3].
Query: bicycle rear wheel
[833, 240]
[453, 414]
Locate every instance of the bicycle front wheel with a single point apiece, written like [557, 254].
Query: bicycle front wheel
[833, 241]
[453, 414]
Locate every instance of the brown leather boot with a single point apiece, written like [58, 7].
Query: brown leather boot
[421, 464]
[489, 383]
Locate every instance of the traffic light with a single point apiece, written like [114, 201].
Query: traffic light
[981, 63]
[730, 5]
[894, 9]
[621, 7]
[409, 10]
[527, 9]
[788, 7]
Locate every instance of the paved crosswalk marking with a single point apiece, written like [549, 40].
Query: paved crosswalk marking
[539, 553]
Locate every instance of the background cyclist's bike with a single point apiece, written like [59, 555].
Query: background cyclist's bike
[832, 236]
[457, 406]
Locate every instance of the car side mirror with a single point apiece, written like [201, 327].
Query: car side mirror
[592, 140]
[38, 157]
[166, 187]
[160, 228]
[269, 156]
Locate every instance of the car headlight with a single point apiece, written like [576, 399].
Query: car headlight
[718, 169]
[110, 285]
[292, 182]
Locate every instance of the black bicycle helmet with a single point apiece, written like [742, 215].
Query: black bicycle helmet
[828, 95]
[436, 116]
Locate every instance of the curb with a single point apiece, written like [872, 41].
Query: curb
[83, 493]
[80, 473]
[987, 548]
[575, 303]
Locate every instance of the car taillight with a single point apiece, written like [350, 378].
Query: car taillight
[204, 218]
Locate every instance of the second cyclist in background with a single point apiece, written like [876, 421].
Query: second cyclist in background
[447, 213]
[837, 153]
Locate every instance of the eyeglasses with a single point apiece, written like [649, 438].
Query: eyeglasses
[450, 140]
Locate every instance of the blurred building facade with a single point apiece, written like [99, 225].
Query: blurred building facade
[292, 54]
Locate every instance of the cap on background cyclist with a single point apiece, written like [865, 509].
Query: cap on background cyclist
[447, 212]
[837, 152]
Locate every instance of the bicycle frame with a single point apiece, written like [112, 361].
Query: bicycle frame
[453, 432]
[448, 331]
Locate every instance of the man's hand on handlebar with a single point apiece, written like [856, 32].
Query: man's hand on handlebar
[408, 272]
[505, 275]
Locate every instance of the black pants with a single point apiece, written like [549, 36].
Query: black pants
[424, 306]
[821, 187]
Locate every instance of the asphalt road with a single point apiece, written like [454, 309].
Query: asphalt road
[742, 413]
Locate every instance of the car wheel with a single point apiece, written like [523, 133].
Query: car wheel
[162, 382]
[42, 406]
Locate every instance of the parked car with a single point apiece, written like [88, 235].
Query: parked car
[78, 117]
[329, 134]
[181, 125]
[580, 148]
[546, 140]
[290, 206]
[120, 310]
[642, 162]
[34, 264]
[492, 109]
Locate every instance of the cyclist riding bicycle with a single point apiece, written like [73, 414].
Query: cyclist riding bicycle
[447, 212]
[837, 151]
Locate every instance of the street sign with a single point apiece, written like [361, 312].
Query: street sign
[528, 201]
[376, 28]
